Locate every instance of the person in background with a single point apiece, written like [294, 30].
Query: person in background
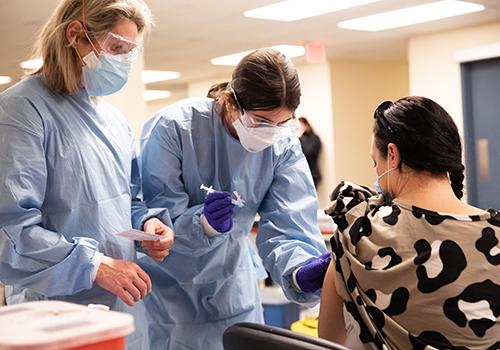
[311, 146]
[244, 141]
[69, 177]
[414, 266]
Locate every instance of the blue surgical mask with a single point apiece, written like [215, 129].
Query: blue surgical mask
[104, 75]
[378, 188]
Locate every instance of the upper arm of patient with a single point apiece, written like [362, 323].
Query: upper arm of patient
[331, 317]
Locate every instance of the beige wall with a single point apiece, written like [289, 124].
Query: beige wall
[155, 105]
[201, 87]
[316, 106]
[194, 89]
[434, 69]
[358, 87]
[129, 100]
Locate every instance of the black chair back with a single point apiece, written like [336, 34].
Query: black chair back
[253, 336]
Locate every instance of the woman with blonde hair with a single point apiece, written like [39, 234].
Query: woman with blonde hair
[69, 176]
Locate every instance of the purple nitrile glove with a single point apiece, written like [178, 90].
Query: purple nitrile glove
[310, 276]
[218, 210]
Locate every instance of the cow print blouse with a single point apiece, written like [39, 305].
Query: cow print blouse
[413, 278]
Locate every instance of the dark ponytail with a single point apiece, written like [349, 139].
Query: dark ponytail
[426, 136]
[457, 181]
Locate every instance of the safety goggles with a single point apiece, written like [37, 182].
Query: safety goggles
[250, 120]
[286, 128]
[118, 47]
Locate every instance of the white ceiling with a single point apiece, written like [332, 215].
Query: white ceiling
[188, 33]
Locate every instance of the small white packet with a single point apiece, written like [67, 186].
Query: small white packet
[138, 235]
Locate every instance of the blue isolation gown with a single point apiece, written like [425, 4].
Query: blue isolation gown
[68, 181]
[207, 284]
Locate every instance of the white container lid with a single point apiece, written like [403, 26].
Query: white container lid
[273, 295]
[55, 325]
[325, 222]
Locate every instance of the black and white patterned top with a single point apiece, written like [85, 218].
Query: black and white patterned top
[413, 278]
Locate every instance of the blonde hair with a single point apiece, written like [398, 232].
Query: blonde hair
[61, 70]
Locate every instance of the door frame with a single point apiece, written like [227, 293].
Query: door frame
[470, 149]
[469, 140]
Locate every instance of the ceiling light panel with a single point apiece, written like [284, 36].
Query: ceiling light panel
[152, 76]
[5, 79]
[150, 95]
[294, 10]
[411, 15]
[233, 59]
[32, 64]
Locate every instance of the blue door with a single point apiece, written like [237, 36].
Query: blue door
[481, 100]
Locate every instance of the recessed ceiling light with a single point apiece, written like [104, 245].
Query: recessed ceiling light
[5, 79]
[294, 10]
[32, 64]
[233, 59]
[150, 95]
[152, 76]
[411, 15]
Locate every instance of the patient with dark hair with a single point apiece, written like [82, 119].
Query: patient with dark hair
[414, 266]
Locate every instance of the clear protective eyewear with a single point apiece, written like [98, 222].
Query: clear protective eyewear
[288, 126]
[119, 48]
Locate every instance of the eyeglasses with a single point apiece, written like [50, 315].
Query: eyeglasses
[380, 116]
[253, 121]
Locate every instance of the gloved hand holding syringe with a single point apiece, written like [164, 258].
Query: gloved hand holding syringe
[218, 208]
[237, 200]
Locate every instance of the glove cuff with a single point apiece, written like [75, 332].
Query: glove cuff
[96, 261]
[207, 228]
[295, 284]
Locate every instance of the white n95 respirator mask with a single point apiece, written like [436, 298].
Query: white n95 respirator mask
[257, 138]
[251, 140]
